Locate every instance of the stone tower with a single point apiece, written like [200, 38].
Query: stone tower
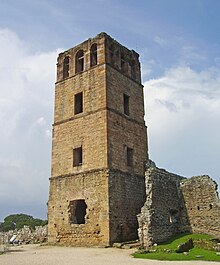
[99, 145]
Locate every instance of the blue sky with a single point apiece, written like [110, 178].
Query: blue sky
[179, 47]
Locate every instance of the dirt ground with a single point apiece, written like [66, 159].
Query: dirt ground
[48, 255]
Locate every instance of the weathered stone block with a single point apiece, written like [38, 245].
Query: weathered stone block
[185, 247]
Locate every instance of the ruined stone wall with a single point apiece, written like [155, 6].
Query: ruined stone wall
[25, 235]
[163, 214]
[202, 204]
[126, 197]
[93, 188]
[177, 205]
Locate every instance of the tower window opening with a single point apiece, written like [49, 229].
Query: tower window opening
[126, 104]
[130, 152]
[79, 64]
[77, 211]
[111, 52]
[123, 64]
[133, 70]
[78, 102]
[93, 55]
[66, 67]
[77, 156]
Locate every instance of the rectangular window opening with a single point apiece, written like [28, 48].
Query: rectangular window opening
[77, 156]
[78, 103]
[129, 157]
[77, 211]
[126, 104]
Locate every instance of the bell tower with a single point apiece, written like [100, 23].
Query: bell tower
[99, 145]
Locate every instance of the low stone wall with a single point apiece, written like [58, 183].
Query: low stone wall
[25, 235]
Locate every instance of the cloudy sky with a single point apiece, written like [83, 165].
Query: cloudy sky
[179, 46]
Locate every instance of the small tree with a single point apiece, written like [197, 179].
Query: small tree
[18, 221]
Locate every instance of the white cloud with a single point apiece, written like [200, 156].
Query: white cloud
[182, 113]
[26, 110]
[160, 41]
[191, 54]
[41, 121]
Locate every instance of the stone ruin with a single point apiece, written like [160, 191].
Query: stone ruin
[98, 182]
[25, 235]
[175, 205]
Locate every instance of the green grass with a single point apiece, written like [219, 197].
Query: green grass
[171, 246]
[174, 242]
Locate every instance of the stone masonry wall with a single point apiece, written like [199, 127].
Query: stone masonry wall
[176, 205]
[89, 186]
[202, 204]
[163, 214]
[87, 129]
[126, 197]
[125, 130]
[112, 143]
[85, 46]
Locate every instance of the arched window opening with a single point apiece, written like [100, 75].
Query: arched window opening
[77, 211]
[66, 67]
[79, 61]
[93, 55]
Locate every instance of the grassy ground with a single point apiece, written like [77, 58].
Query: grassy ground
[167, 251]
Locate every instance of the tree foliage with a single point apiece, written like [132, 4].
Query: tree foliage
[17, 221]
